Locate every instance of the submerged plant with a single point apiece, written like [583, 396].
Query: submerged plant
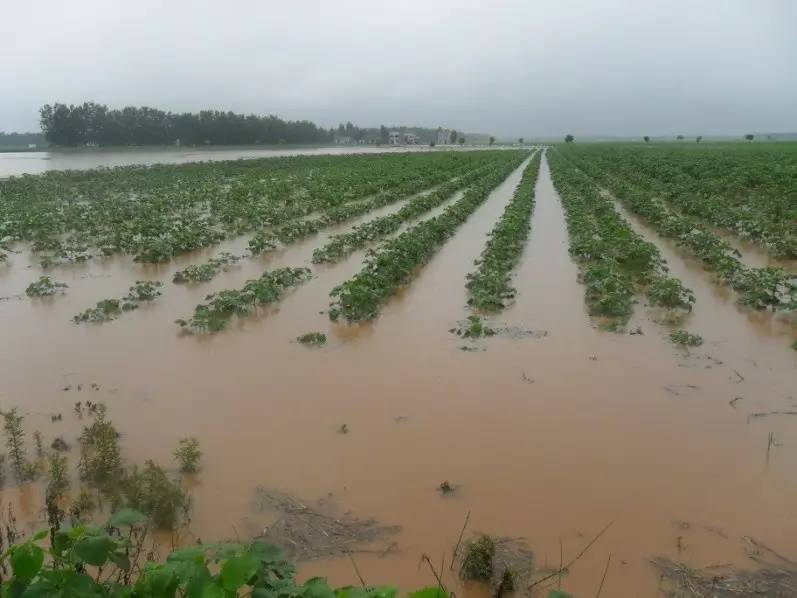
[110, 309]
[477, 563]
[45, 287]
[473, 327]
[188, 454]
[150, 491]
[312, 338]
[686, 339]
[15, 443]
[221, 307]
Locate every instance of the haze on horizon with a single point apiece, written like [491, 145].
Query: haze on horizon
[511, 68]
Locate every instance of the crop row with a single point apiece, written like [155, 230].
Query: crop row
[267, 239]
[396, 262]
[221, 307]
[760, 288]
[341, 245]
[747, 190]
[156, 212]
[616, 263]
[489, 286]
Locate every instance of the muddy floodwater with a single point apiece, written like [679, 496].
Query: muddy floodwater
[548, 437]
[19, 163]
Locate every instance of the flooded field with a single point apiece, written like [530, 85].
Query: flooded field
[548, 437]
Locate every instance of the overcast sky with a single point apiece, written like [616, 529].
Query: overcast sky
[521, 67]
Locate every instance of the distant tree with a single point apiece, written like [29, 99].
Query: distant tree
[384, 135]
[679, 137]
[749, 137]
[453, 136]
[646, 138]
[699, 138]
[492, 140]
[462, 140]
[520, 140]
[569, 138]
[432, 143]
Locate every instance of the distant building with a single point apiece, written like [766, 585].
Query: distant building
[443, 136]
[31, 146]
[394, 138]
[411, 139]
[343, 140]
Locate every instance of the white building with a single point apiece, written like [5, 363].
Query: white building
[443, 136]
[394, 138]
[411, 139]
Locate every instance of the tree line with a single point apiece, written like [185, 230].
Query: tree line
[96, 124]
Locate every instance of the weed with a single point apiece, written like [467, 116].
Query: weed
[312, 338]
[477, 563]
[15, 443]
[686, 339]
[149, 490]
[45, 287]
[188, 454]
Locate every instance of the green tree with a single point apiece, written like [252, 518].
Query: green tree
[453, 136]
[462, 140]
[680, 137]
[646, 138]
[749, 137]
[569, 138]
[698, 139]
[520, 140]
[492, 140]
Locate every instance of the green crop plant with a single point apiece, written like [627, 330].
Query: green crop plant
[15, 443]
[489, 286]
[110, 309]
[686, 339]
[221, 307]
[398, 260]
[315, 339]
[45, 287]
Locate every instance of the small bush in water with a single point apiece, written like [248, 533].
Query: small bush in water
[45, 287]
[188, 454]
[686, 339]
[313, 338]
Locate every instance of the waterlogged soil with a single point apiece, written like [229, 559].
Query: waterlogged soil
[546, 437]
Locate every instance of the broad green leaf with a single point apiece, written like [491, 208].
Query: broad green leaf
[265, 552]
[190, 553]
[94, 550]
[429, 592]
[160, 582]
[26, 560]
[238, 571]
[39, 535]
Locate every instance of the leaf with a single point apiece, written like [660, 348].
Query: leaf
[161, 582]
[429, 592]
[26, 560]
[126, 518]
[265, 552]
[558, 594]
[238, 571]
[39, 535]
[94, 550]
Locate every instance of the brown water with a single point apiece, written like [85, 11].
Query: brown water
[604, 428]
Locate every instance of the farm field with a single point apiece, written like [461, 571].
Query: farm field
[507, 321]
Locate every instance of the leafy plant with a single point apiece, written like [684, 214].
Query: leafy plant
[477, 563]
[149, 490]
[45, 287]
[221, 307]
[188, 454]
[686, 339]
[15, 443]
[489, 286]
[312, 338]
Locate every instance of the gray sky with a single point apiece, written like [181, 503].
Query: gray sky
[520, 67]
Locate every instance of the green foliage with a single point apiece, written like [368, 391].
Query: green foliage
[477, 564]
[202, 570]
[489, 286]
[398, 260]
[188, 454]
[45, 287]
[569, 138]
[616, 263]
[15, 443]
[207, 271]
[221, 307]
[100, 455]
[312, 338]
[149, 490]
[473, 327]
[110, 309]
[343, 244]
[686, 339]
